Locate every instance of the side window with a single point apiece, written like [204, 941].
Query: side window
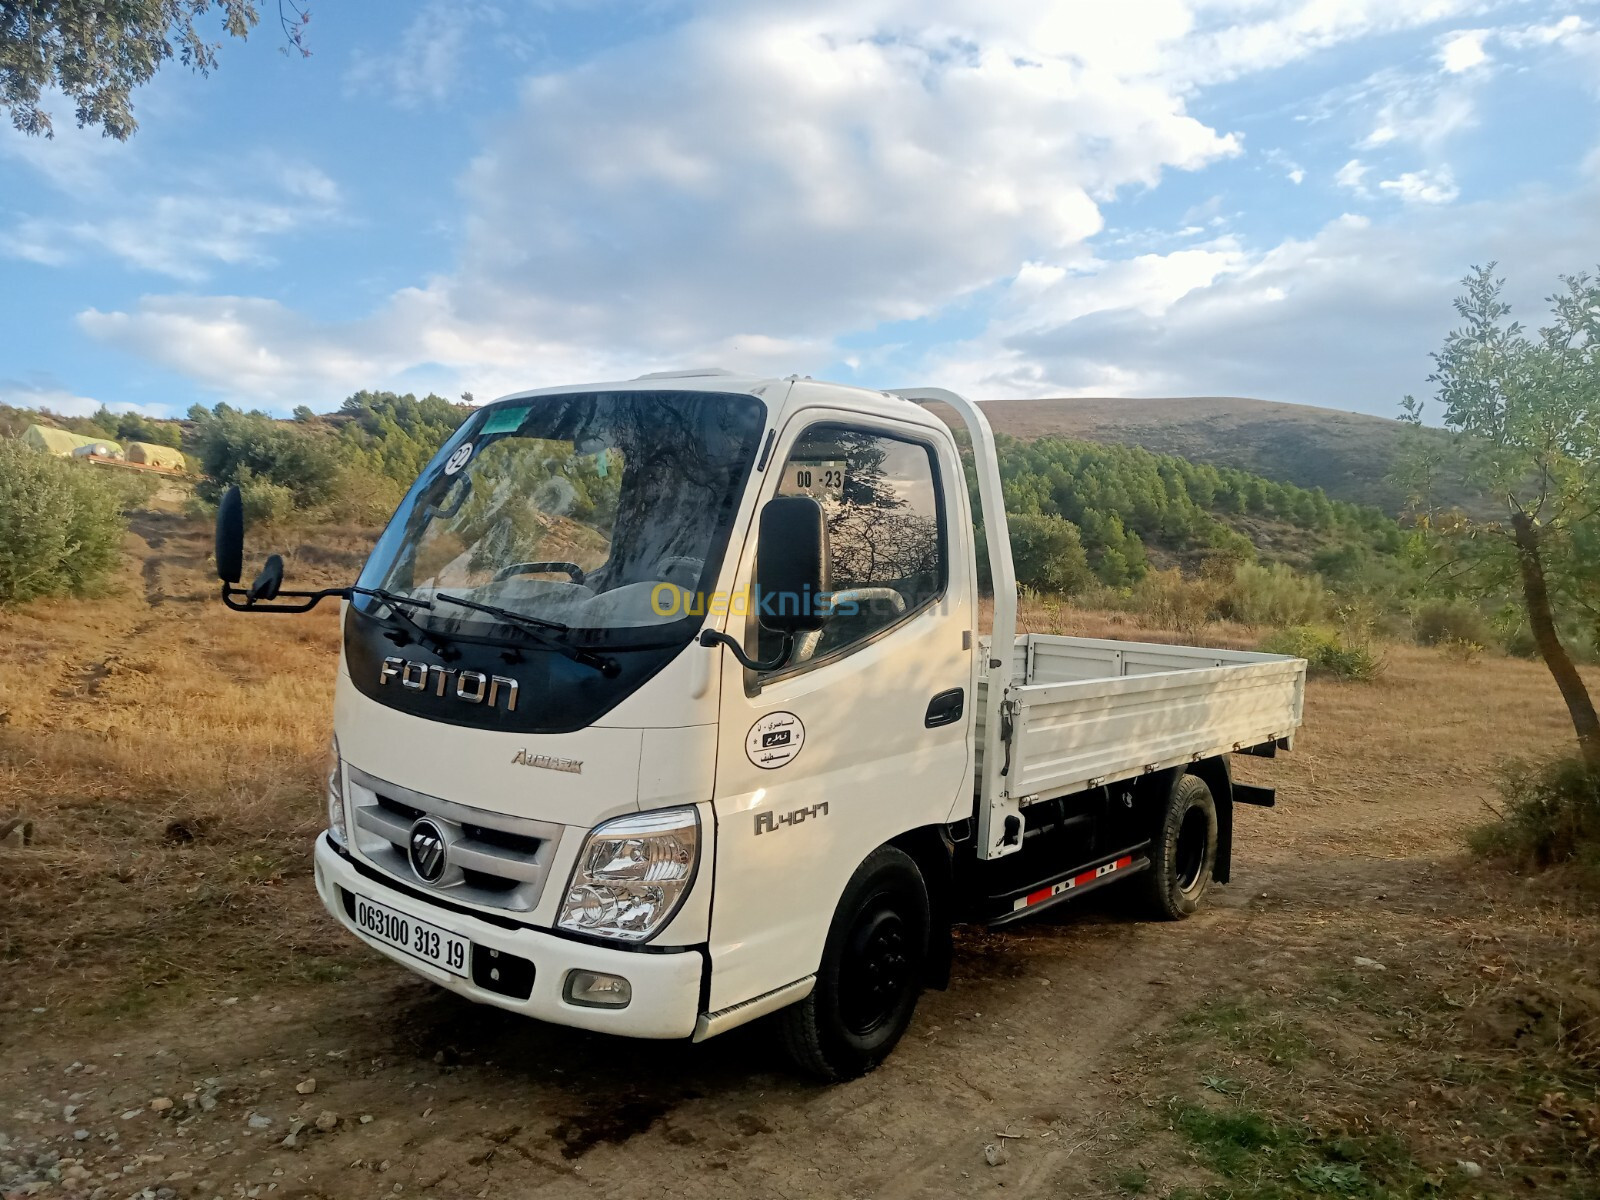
[886, 524]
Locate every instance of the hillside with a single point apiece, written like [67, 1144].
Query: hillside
[1348, 455]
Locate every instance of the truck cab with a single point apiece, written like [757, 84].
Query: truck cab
[664, 706]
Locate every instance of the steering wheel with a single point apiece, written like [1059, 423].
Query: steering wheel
[573, 570]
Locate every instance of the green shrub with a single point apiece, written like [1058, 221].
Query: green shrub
[264, 502]
[1048, 553]
[233, 447]
[1551, 815]
[1441, 621]
[360, 497]
[61, 524]
[1326, 652]
[1173, 601]
[1273, 595]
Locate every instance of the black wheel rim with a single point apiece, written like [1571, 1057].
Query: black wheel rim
[874, 971]
[1193, 835]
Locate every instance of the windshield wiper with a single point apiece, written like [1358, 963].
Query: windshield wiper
[542, 631]
[392, 599]
[398, 616]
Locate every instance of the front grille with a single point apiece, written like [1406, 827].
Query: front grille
[491, 859]
[404, 811]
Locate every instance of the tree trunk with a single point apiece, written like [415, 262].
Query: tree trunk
[1542, 621]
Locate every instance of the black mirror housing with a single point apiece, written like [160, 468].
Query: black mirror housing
[230, 535]
[269, 582]
[794, 565]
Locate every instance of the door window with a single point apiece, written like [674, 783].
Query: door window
[881, 498]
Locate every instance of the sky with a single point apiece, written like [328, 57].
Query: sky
[1268, 198]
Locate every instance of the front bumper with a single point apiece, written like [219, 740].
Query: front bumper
[666, 986]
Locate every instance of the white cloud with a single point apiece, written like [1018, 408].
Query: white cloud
[426, 65]
[185, 229]
[1571, 29]
[758, 180]
[1462, 51]
[1420, 109]
[1423, 187]
[1291, 31]
[1351, 175]
[1345, 318]
[1297, 176]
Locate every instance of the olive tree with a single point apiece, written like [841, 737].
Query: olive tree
[1523, 415]
[97, 53]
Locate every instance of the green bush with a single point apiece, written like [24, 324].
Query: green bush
[1326, 652]
[61, 524]
[264, 502]
[234, 447]
[1048, 553]
[1273, 595]
[1580, 641]
[1452, 621]
[1551, 815]
[1173, 601]
[360, 497]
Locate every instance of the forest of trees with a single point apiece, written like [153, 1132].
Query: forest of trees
[1083, 512]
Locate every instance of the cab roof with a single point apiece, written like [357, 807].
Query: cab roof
[777, 393]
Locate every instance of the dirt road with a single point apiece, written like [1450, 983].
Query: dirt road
[373, 1084]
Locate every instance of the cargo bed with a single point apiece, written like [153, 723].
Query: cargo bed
[1081, 712]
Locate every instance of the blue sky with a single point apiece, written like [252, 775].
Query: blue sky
[1271, 198]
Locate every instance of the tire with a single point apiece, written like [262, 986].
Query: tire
[871, 975]
[1183, 852]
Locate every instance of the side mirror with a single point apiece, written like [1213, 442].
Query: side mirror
[230, 536]
[267, 583]
[793, 565]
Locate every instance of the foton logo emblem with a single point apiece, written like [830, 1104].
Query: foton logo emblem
[470, 687]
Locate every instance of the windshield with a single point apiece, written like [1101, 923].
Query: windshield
[574, 510]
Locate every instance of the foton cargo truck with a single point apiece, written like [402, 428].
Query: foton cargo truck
[663, 706]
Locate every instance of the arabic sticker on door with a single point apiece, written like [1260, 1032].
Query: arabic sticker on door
[775, 740]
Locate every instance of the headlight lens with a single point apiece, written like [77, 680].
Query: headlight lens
[335, 790]
[632, 874]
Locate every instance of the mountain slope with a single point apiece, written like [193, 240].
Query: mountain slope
[1349, 455]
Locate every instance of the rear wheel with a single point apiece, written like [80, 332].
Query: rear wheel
[871, 973]
[1184, 851]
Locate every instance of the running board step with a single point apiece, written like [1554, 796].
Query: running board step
[1013, 906]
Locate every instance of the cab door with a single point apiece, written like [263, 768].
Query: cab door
[866, 732]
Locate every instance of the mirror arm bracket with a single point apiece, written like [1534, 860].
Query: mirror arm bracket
[240, 599]
[710, 637]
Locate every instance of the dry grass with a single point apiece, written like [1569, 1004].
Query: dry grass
[1373, 1041]
[168, 753]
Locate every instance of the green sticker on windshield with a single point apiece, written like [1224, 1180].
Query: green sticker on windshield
[503, 420]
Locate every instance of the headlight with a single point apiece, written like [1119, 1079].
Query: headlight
[632, 874]
[335, 790]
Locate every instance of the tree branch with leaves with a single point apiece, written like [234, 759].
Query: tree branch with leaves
[97, 53]
[1523, 414]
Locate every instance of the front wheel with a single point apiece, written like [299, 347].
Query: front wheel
[1184, 851]
[871, 974]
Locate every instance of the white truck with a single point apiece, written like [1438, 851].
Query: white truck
[663, 706]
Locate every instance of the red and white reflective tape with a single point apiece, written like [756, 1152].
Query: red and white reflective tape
[1077, 881]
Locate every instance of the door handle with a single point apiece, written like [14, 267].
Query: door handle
[946, 708]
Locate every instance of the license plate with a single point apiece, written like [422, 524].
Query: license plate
[448, 951]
